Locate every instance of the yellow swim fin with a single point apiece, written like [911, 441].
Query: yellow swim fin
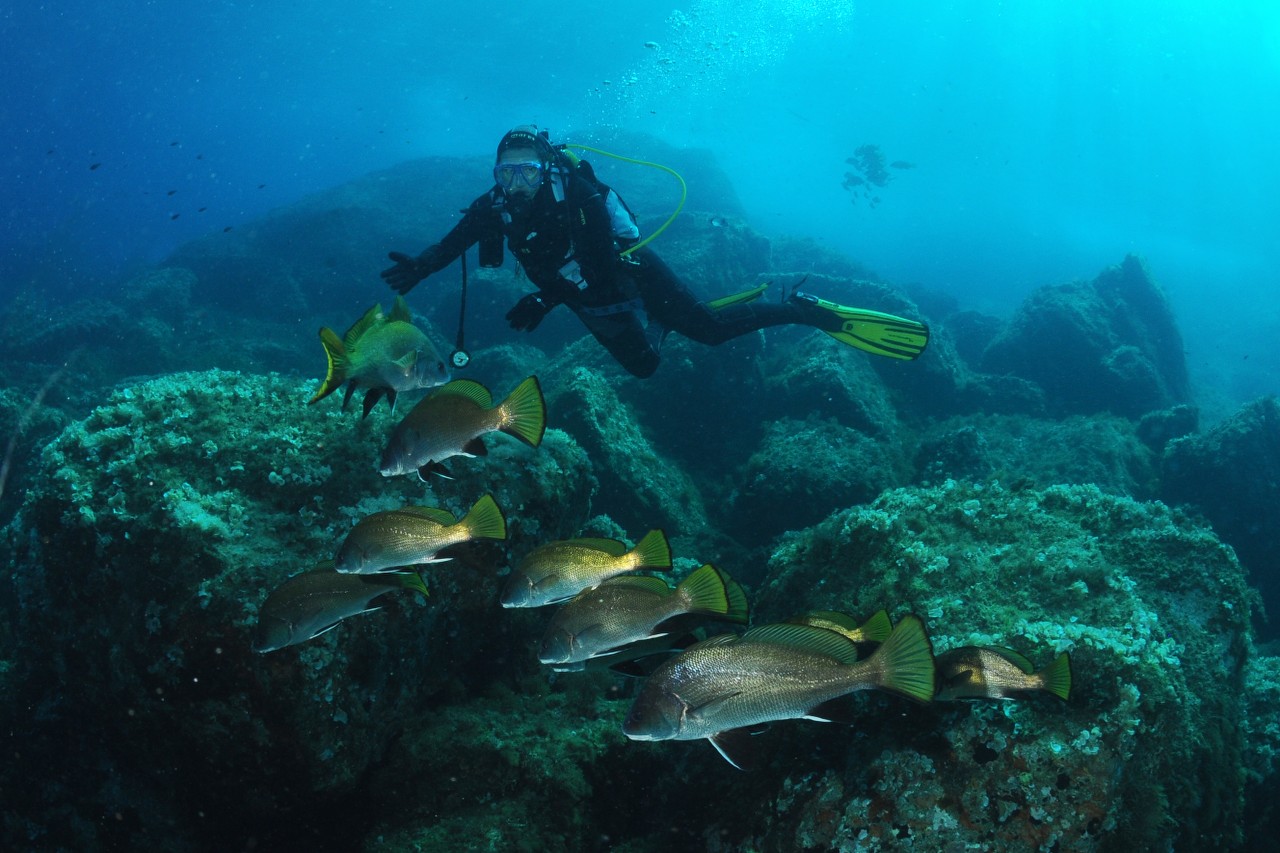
[872, 331]
[739, 298]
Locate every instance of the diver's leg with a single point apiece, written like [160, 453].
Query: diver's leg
[671, 303]
[623, 335]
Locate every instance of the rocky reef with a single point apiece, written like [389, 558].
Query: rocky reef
[167, 473]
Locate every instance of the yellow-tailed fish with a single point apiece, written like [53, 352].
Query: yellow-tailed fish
[385, 353]
[452, 420]
[631, 608]
[415, 535]
[874, 630]
[308, 604]
[559, 570]
[992, 672]
[728, 685]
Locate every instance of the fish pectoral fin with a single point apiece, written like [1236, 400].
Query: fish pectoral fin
[326, 629]
[736, 747]
[711, 704]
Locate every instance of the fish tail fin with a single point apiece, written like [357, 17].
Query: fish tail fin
[653, 551]
[485, 520]
[336, 373]
[525, 412]
[904, 661]
[706, 590]
[711, 591]
[413, 581]
[739, 611]
[1057, 677]
[877, 629]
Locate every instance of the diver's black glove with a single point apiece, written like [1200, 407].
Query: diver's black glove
[526, 314]
[407, 272]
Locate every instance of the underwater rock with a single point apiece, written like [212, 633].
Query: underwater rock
[1154, 611]
[972, 332]
[1107, 346]
[1100, 450]
[804, 470]
[1232, 475]
[1157, 429]
[824, 378]
[639, 487]
[151, 533]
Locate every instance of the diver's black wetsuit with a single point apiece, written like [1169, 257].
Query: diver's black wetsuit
[570, 223]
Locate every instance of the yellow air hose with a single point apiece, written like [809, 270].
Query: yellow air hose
[684, 189]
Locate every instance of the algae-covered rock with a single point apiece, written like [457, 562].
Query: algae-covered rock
[802, 471]
[1110, 345]
[1232, 475]
[154, 529]
[1101, 450]
[638, 486]
[1155, 613]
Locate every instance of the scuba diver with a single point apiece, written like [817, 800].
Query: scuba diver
[579, 244]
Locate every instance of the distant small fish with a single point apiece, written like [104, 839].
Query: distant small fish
[225, 230]
[199, 156]
[308, 604]
[415, 535]
[875, 630]
[992, 672]
[452, 421]
[202, 210]
[173, 143]
[171, 192]
[902, 164]
[630, 608]
[652, 45]
[385, 353]
[726, 687]
[560, 570]
[174, 216]
[93, 166]
[260, 186]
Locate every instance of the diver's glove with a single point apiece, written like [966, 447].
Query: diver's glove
[407, 272]
[526, 314]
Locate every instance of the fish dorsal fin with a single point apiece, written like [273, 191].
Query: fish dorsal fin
[361, 326]
[400, 311]
[433, 513]
[468, 388]
[717, 640]
[612, 547]
[644, 583]
[817, 640]
[1016, 658]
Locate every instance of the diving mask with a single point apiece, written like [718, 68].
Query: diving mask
[512, 175]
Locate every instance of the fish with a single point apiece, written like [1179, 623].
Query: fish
[630, 608]
[415, 535]
[560, 570]
[308, 604]
[874, 630]
[452, 421]
[385, 353]
[993, 672]
[728, 686]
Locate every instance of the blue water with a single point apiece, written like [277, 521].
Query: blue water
[1048, 139]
